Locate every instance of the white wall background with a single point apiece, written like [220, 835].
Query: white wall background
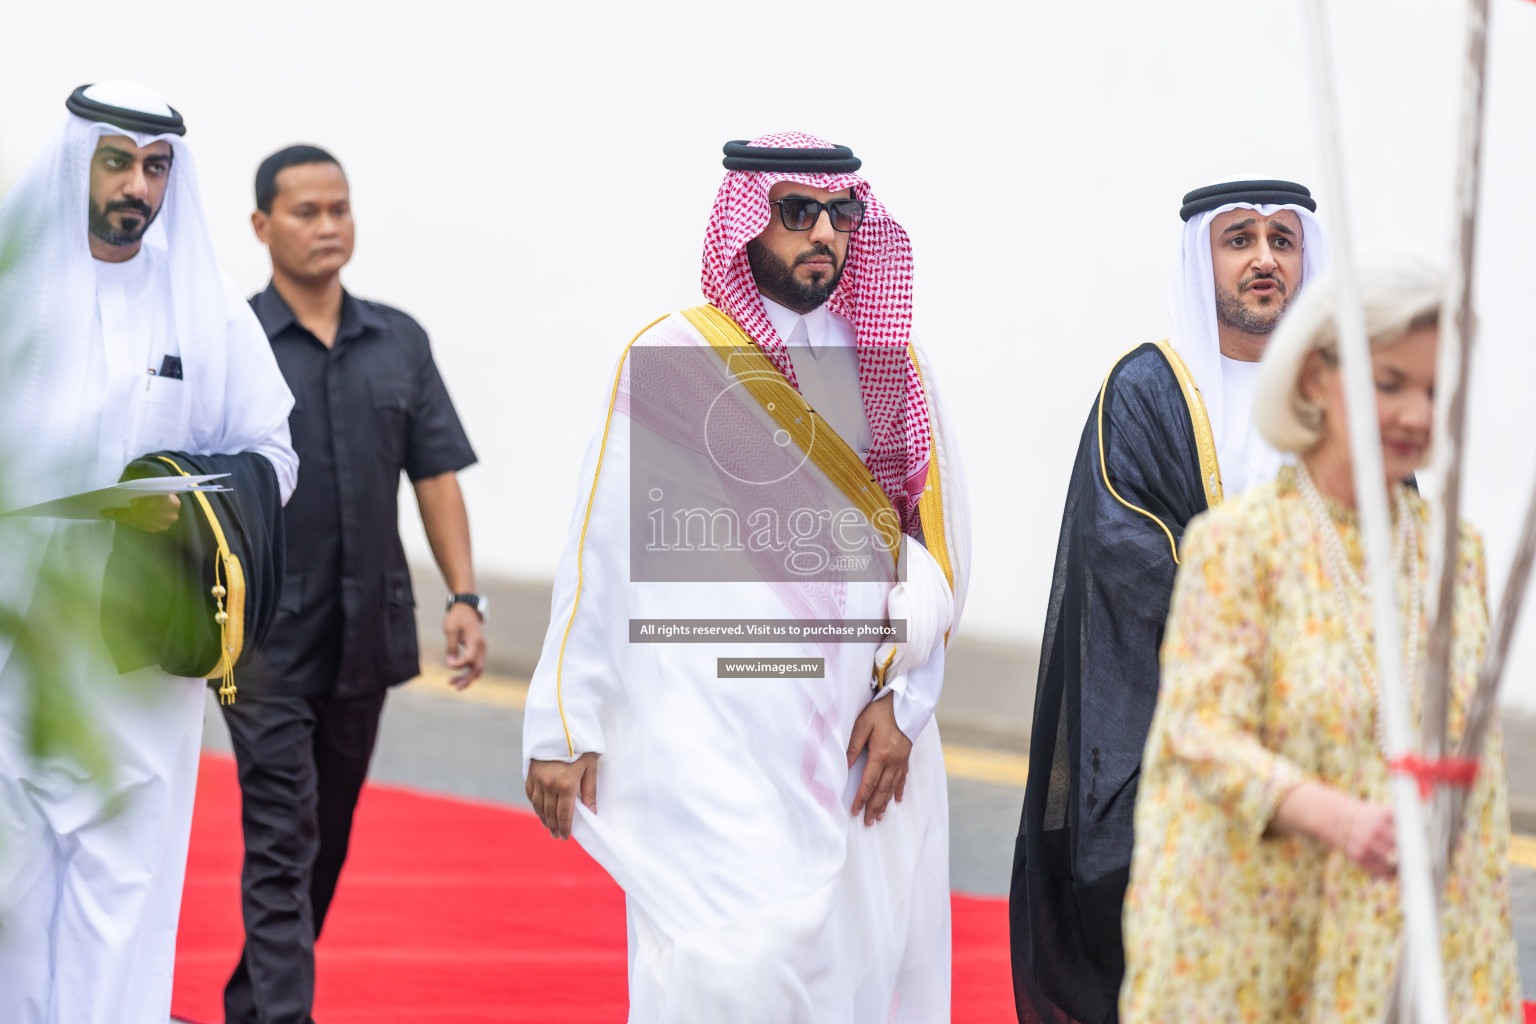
[532, 181]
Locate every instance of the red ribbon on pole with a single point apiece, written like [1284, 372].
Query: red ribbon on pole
[1429, 772]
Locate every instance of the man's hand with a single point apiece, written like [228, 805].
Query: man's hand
[154, 513]
[466, 644]
[553, 787]
[885, 773]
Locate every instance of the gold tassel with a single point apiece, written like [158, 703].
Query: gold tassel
[227, 678]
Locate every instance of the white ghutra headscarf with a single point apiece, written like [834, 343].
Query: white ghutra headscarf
[1243, 456]
[47, 319]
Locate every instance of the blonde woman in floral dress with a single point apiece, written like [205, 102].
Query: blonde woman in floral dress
[1263, 884]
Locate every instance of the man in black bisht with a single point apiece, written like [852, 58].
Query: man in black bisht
[1170, 431]
[368, 403]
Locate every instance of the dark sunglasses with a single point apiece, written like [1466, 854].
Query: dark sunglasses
[799, 213]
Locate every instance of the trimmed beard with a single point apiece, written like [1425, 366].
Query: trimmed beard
[102, 228]
[776, 279]
[1232, 312]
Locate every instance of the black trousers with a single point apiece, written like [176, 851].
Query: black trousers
[302, 762]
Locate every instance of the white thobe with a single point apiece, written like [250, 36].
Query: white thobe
[723, 804]
[1245, 458]
[89, 899]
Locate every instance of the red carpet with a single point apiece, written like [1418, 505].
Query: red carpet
[463, 913]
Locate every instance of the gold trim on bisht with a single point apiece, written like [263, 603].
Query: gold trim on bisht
[228, 583]
[1205, 439]
[810, 432]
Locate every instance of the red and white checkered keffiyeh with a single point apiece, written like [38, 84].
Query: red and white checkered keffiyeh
[875, 293]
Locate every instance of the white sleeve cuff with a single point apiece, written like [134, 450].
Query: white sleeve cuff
[916, 694]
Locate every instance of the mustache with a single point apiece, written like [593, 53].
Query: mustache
[138, 206]
[1279, 284]
[817, 249]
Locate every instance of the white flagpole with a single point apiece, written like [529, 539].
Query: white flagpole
[1415, 881]
[1458, 337]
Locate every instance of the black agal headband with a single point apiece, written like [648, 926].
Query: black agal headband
[127, 118]
[741, 157]
[1259, 193]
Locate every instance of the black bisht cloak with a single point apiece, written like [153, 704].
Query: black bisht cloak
[158, 605]
[1147, 438]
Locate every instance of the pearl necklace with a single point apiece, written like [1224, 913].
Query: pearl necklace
[1342, 576]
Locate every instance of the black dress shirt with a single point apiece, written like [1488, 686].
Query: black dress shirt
[368, 407]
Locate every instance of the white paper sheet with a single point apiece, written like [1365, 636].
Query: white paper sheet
[91, 504]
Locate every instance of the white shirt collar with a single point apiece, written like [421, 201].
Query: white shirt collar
[824, 328]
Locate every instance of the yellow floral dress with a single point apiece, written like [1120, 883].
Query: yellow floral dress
[1260, 692]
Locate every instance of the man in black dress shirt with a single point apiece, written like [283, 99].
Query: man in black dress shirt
[368, 402]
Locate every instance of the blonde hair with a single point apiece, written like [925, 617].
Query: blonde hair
[1400, 294]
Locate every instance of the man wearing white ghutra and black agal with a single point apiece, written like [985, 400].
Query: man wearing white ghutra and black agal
[124, 344]
[1171, 432]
